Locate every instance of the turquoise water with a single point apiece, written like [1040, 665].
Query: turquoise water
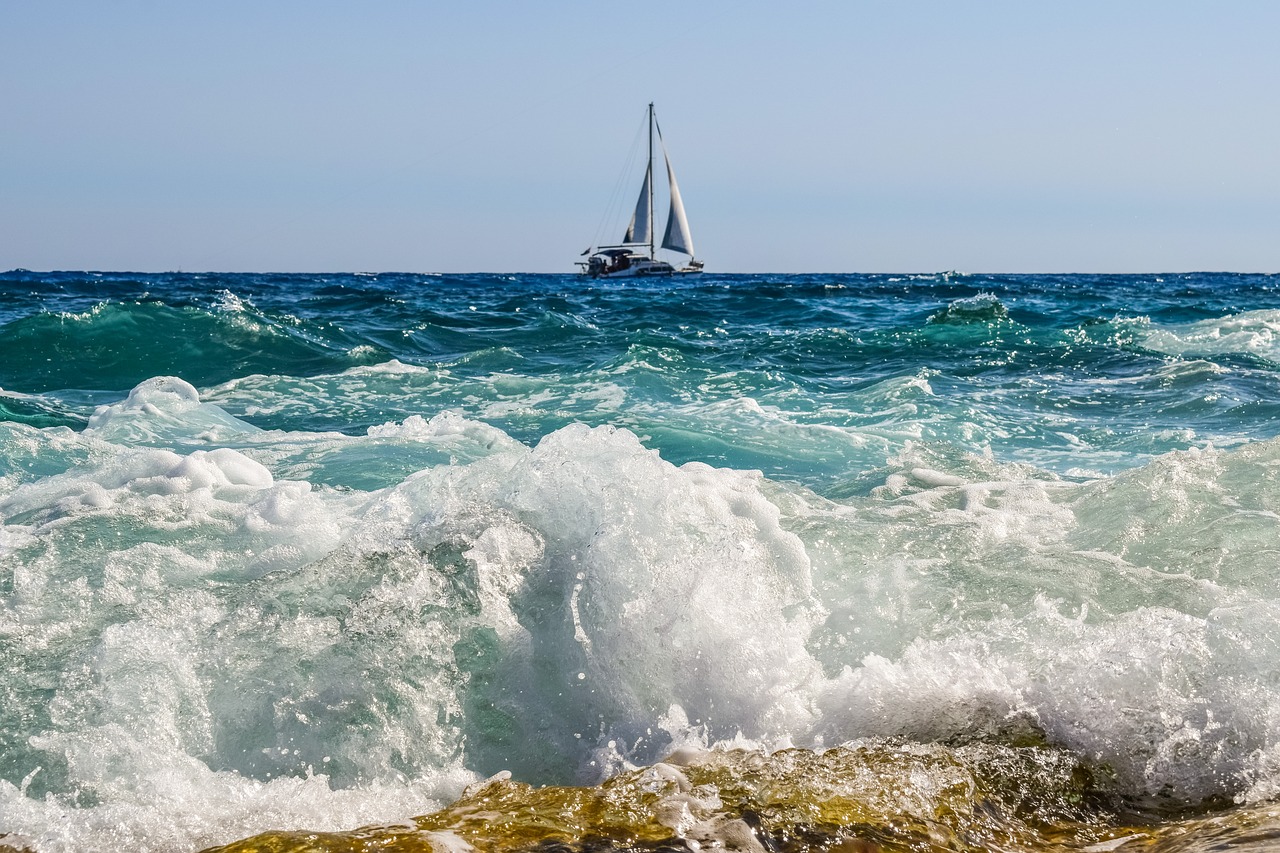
[317, 551]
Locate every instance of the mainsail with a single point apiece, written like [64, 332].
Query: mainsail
[639, 231]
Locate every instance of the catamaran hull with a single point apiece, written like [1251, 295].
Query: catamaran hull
[621, 262]
[641, 273]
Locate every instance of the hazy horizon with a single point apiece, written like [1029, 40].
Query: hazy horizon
[429, 273]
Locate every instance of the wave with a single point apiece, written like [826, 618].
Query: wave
[115, 345]
[773, 560]
[36, 410]
[1252, 333]
[982, 308]
[192, 619]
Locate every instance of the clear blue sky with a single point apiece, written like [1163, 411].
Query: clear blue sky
[807, 136]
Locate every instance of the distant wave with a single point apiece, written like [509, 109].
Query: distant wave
[1254, 333]
[983, 308]
[116, 345]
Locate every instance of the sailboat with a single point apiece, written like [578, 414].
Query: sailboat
[634, 256]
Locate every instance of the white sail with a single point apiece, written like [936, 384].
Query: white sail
[639, 231]
[677, 237]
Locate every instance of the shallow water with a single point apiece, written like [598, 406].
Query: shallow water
[923, 562]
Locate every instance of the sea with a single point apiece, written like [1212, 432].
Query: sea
[780, 563]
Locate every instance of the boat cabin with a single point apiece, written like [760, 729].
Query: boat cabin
[622, 261]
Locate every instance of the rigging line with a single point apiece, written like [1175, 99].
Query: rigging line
[609, 217]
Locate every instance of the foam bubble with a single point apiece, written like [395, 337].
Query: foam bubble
[163, 409]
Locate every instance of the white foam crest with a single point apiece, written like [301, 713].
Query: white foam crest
[190, 601]
[1249, 332]
[445, 426]
[220, 504]
[265, 626]
[676, 584]
[231, 303]
[758, 434]
[1155, 696]
[1130, 619]
[984, 307]
[392, 367]
[387, 454]
[374, 386]
[140, 472]
[28, 453]
[168, 411]
[1207, 514]
[162, 409]
[898, 393]
[98, 308]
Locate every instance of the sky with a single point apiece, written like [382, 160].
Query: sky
[854, 136]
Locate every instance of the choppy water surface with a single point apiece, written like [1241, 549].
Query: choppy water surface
[754, 562]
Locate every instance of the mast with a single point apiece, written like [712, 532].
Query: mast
[651, 180]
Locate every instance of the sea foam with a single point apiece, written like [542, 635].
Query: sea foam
[584, 606]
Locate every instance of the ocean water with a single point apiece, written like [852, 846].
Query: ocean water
[517, 562]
